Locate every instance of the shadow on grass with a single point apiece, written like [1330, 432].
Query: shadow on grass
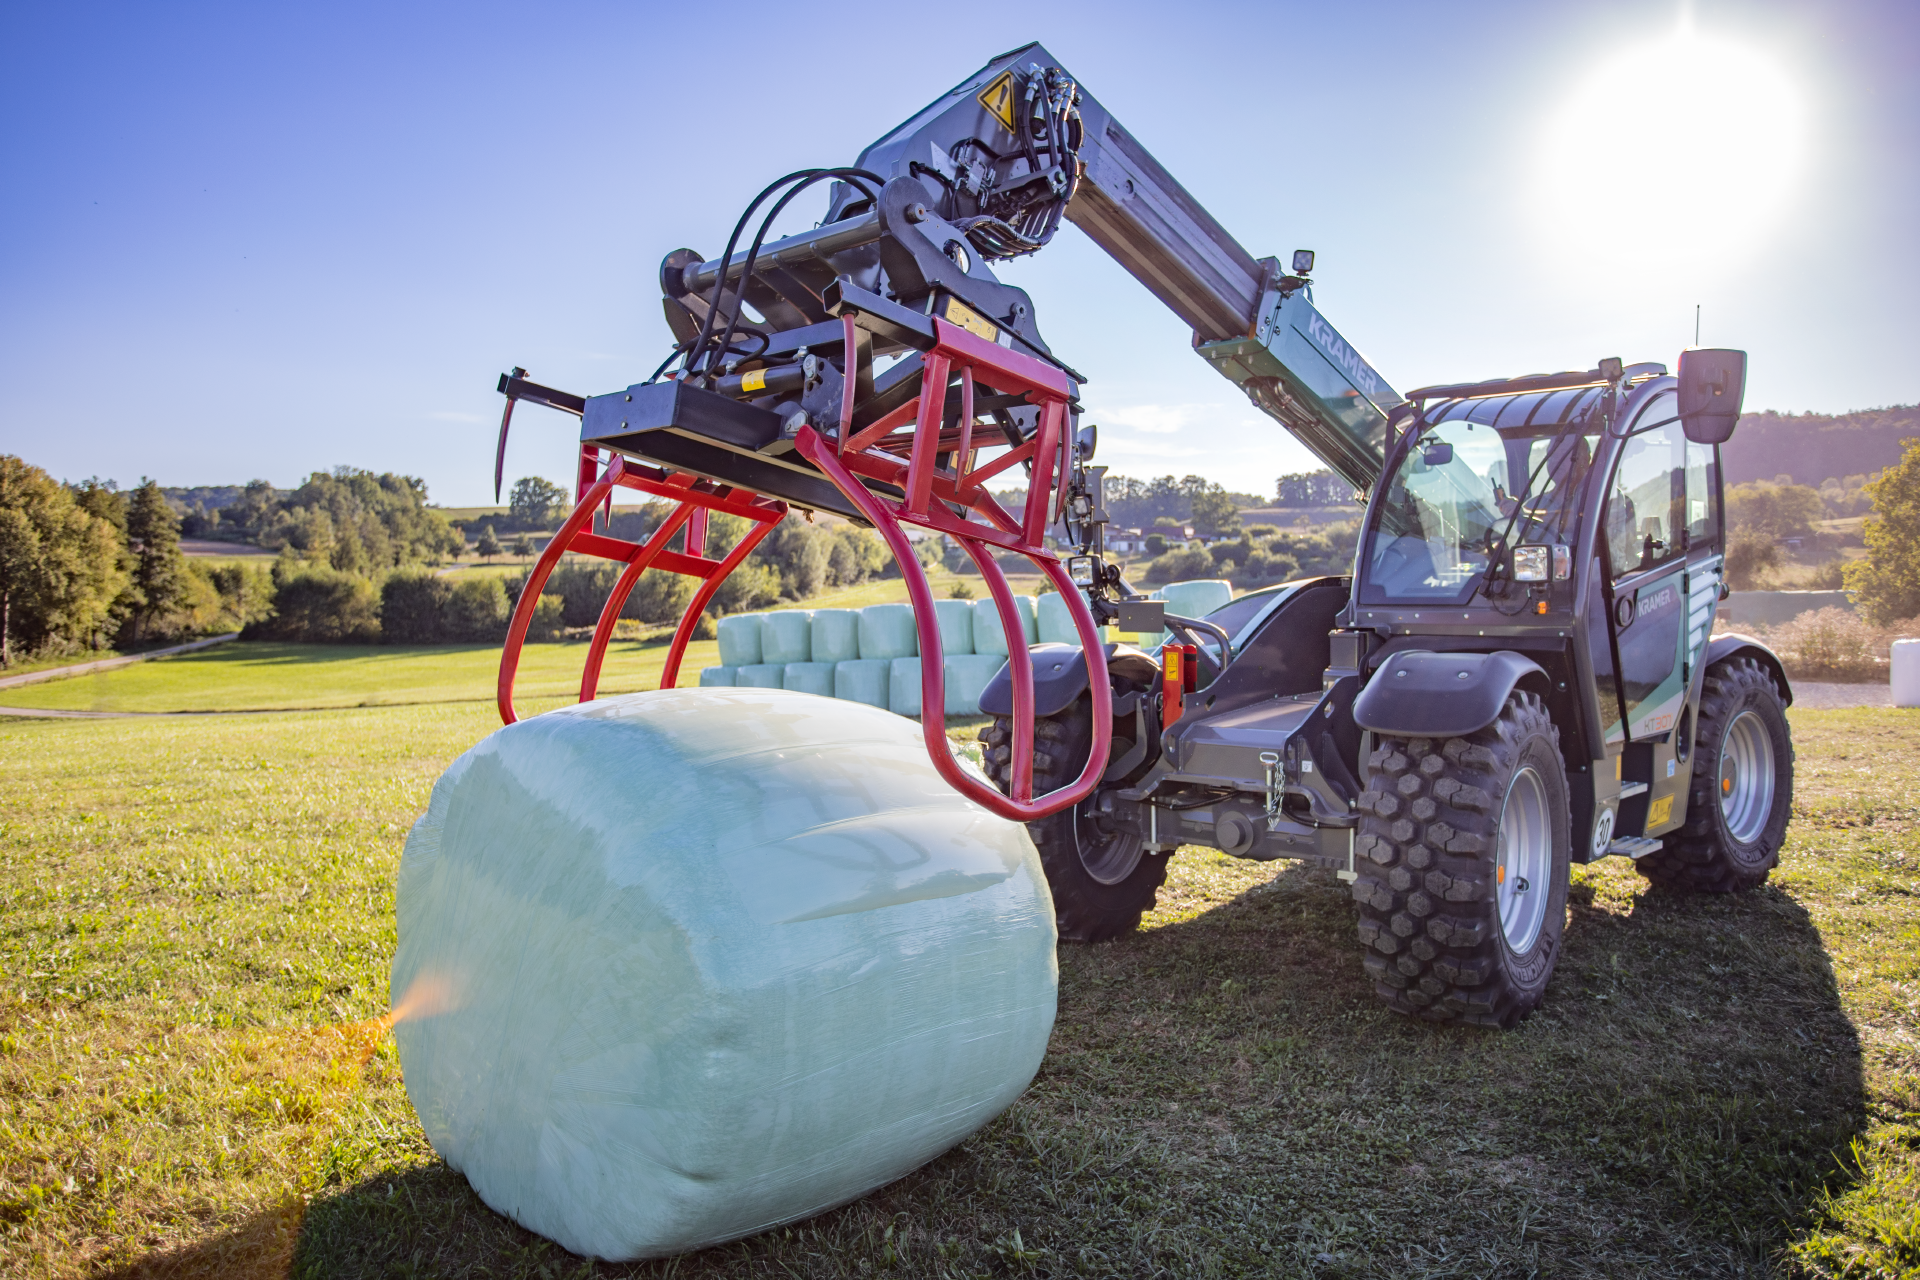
[261, 1248]
[1223, 1096]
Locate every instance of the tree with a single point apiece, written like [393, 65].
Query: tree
[1214, 513]
[1779, 510]
[20, 563]
[1750, 554]
[60, 568]
[486, 546]
[159, 585]
[534, 502]
[523, 546]
[1886, 584]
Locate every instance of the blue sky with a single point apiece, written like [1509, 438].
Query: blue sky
[255, 241]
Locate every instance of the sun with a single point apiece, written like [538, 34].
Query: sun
[1682, 149]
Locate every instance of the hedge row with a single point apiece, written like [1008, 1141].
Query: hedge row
[326, 606]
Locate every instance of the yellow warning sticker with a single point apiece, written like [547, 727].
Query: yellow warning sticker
[998, 99]
[755, 381]
[1660, 812]
[972, 321]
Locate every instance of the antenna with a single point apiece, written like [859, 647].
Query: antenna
[1696, 324]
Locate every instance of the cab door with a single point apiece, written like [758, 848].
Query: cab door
[1646, 537]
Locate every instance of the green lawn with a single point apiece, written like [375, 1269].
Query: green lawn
[258, 676]
[198, 923]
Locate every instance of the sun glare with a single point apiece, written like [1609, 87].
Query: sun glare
[1682, 149]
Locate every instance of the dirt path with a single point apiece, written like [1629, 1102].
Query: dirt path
[109, 664]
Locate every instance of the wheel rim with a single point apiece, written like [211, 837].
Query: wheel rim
[1746, 777]
[1108, 855]
[1526, 855]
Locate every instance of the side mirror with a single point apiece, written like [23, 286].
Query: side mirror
[1713, 382]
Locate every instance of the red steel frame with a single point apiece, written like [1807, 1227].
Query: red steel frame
[695, 499]
[901, 451]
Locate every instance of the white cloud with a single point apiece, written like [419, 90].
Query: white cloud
[1155, 419]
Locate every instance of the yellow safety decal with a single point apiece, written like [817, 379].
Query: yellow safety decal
[998, 98]
[1660, 812]
[972, 321]
[755, 381]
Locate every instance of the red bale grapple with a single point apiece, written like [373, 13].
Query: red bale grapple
[925, 463]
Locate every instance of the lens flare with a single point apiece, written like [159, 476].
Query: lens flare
[1685, 150]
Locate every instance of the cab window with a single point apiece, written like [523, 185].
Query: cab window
[1647, 504]
[1703, 494]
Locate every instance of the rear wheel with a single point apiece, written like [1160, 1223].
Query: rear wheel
[1102, 876]
[1741, 794]
[1462, 851]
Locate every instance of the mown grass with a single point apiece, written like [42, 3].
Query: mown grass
[266, 676]
[198, 920]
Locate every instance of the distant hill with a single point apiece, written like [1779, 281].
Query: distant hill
[1812, 447]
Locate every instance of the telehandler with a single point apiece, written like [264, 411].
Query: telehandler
[1519, 674]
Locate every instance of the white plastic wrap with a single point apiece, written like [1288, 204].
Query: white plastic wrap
[786, 635]
[956, 626]
[1904, 673]
[864, 680]
[694, 963]
[836, 635]
[903, 687]
[739, 639]
[716, 678]
[760, 675]
[967, 675]
[1054, 621]
[988, 635]
[809, 677]
[886, 631]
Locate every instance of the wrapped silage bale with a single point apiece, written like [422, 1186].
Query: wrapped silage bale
[1195, 599]
[809, 677]
[967, 675]
[786, 635]
[989, 636]
[760, 675]
[739, 639]
[956, 625]
[886, 631]
[716, 678]
[1053, 621]
[903, 686]
[836, 635]
[867, 680]
[791, 967]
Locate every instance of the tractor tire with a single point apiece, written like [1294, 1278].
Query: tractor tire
[1741, 795]
[1102, 878]
[1462, 853]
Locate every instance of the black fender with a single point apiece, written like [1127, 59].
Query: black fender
[1733, 644]
[1060, 676]
[1418, 693]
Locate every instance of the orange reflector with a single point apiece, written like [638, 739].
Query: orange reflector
[1726, 786]
[1500, 875]
[1172, 683]
[1540, 607]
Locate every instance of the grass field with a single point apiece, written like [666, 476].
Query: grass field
[258, 676]
[198, 922]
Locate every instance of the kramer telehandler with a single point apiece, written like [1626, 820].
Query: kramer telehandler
[1519, 674]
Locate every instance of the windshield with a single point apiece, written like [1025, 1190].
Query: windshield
[1460, 488]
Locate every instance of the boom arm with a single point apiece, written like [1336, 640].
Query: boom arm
[1254, 323]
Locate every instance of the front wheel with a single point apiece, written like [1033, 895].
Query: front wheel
[1741, 794]
[1101, 876]
[1463, 852]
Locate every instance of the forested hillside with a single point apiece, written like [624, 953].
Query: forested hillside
[1815, 447]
